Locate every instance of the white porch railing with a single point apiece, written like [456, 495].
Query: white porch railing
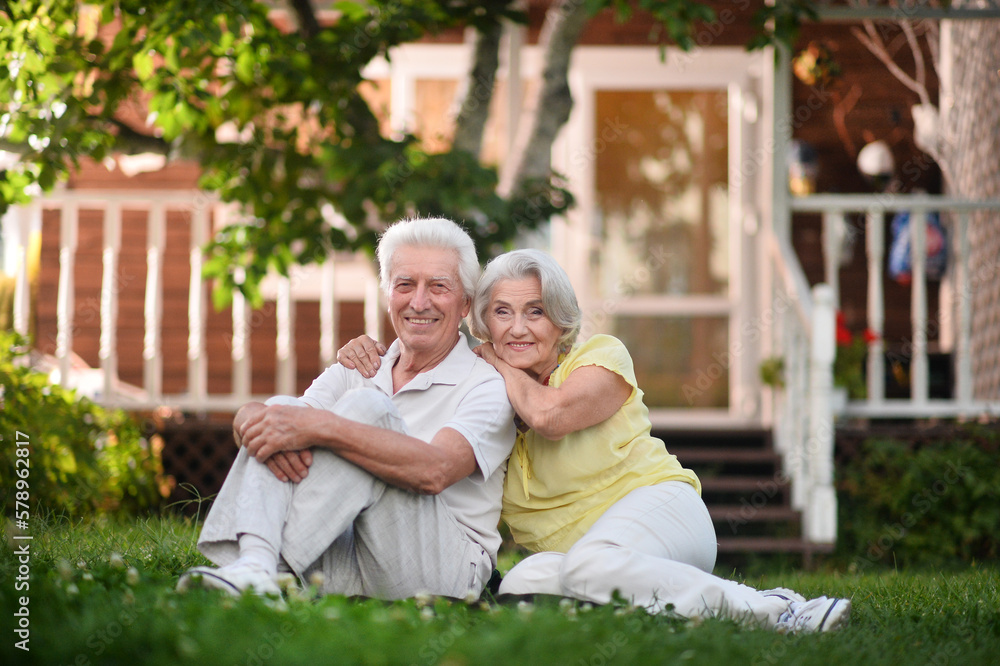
[804, 327]
[202, 211]
[804, 416]
[953, 321]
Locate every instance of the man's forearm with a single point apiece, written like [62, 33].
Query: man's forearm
[400, 460]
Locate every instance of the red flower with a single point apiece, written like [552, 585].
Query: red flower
[843, 333]
[870, 336]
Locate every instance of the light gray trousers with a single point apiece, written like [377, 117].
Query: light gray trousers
[366, 537]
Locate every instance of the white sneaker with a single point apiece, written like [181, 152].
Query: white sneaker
[815, 615]
[234, 578]
[785, 594]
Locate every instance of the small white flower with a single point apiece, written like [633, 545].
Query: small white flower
[525, 607]
[287, 582]
[471, 597]
[116, 561]
[65, 569]
[72, 590]
[132, 576]
[422, 599]
[586, 607]
[88, 576]
[317, 580]
[426, 613]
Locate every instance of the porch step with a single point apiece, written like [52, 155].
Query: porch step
[747, 513]
[747, 495]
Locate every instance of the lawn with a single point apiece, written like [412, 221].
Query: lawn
[103, 593]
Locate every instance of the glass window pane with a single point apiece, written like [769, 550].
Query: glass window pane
[662, 192]
[679, 361]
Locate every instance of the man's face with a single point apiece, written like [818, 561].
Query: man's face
[426, 300]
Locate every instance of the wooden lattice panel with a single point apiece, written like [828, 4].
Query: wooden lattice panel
[198, 454]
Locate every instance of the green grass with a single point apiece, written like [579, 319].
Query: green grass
[87, 607]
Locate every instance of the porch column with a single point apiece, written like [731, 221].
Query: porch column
[820, 517]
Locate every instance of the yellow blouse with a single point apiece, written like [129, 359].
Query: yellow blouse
[555, 490]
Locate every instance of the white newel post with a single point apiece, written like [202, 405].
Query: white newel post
[820, 517]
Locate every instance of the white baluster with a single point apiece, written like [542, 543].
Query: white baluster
[197, 313]
[241, 346]
[152, 340]
[29, 219]
[919, 381]
[875, 241]
[373, 314]
[68, 235]
[284, 344]
[108, 352]
[327, 313]
[963, 288]
[820, 518]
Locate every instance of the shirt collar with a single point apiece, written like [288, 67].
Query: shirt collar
[455, 367]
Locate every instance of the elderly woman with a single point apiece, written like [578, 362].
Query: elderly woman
[603, 504]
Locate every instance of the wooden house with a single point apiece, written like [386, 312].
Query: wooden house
[685, 242]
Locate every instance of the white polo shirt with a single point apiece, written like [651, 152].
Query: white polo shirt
[462, 392]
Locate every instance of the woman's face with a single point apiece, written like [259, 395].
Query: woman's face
[523, 335]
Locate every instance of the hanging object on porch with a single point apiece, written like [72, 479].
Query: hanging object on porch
[876, 164]
[900, 253]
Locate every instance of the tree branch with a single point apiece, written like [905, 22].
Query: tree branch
[918, 59]
[131, 141]
[308, 24]
[877, 47]
[532, 156]
[475, 111]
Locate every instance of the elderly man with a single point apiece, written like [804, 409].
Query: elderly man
[386, 486]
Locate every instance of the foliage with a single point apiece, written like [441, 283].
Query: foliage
[103, 592]
[779, 22]
[272, 114]
[922, 504]
[82, 458]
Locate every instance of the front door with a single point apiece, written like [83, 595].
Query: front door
[660, 244]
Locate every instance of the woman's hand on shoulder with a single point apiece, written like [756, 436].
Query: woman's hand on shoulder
[486, 352]
[362, 354]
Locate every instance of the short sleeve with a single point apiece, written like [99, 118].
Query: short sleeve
[486, 420]
[602, 350]
[326, 390]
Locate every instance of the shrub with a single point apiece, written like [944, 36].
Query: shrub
[83, 458]
[921, 503]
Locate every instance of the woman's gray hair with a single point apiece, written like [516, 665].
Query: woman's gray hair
[558, 296]
[429, 232]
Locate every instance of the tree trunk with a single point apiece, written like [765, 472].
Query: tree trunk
[550, 105]
[971, 142]
[475, 111]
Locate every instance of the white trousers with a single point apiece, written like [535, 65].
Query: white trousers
[655, 547]
[366, 537]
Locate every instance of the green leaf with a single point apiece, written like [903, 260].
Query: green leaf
[143, 63]
[244, 66]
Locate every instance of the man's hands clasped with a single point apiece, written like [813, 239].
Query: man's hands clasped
[273, 435]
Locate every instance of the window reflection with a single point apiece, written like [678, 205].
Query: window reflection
[662, 189]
